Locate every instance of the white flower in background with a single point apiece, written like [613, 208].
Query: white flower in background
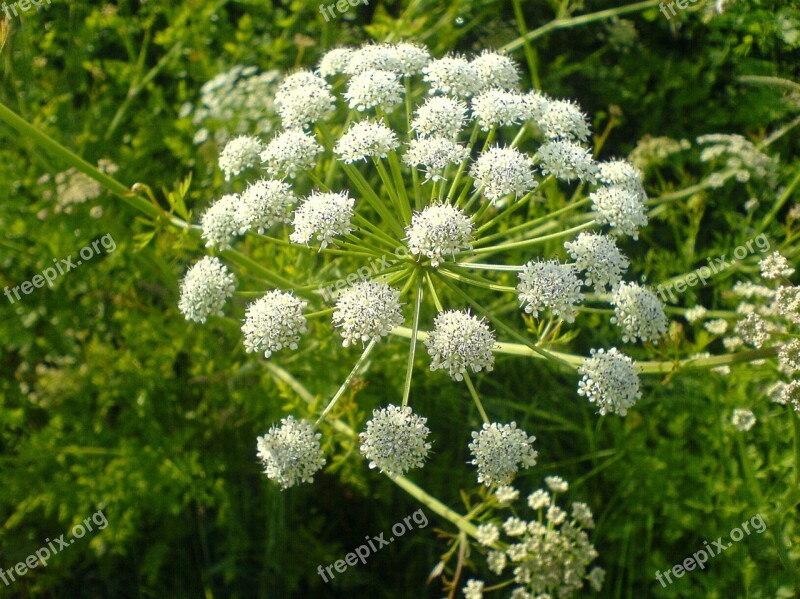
[753, 330]
[550, 284]
[290, 152]
[716, 327]
[499, 172]
[506, 495]
[610, 380]
[743, 420]
[440, 116]
[291, 453]
[790, 394]
[497, 70]
[273, 322]
[499, 451]
[302, 106]
[582, 514]
[334, 62]
[435, 154]
[496, 561]
[395, 440]
[786, 302]
[487, 534]
[239, 154]
[695, 313]
[775, 266]
[453, 76]
[322, 216]
[473, 590]
[495, 107]
[374, 89]
[563, 119]
[620, 207]
[263, 204]
[555, 515]
[364, 140]
[567, 161]
[599, 257]
[367, 310]
[458, 342]
[205, 289]
[789, 357]
[539, 499]
[220, 223]
[439, 230]
[556, 484]
[639, 313]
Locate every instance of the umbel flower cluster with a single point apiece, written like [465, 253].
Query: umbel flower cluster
[439, 162]
[544, 557]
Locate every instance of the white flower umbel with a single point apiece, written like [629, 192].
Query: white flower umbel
[550, 284]
[790, 395]
[291, 453]
[220, 223]
[639, 313]
[300, 80]
[563, 119]
[412, 58]
[239, 154]
[695, 314]
[440, 116]
[289, 153]
[622, 207]
[367, 310]
[786, 302]
[265, 203]
[273, 322]
[499, 451]
[460, 342]
[374, 57]
[453, 76]
[610, 380]
[322, 216]
[599, 257]
[775, 266]
[789, 357]
[437, 231]
[334, 62]
[364, 140]
[395, 440]
[566, 160]
[499, 108]
[743, 420]
[497, 70]
[753, 330]
[556, 484]
[499, 172]
[620, 172]
[374, 89]
[473, 589]
[435, 154]
[487, 534]
[302, 106]
[205, 289]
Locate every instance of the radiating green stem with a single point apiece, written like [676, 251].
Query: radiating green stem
[347, 381]
[413, 345]
[475, 397]
[528, 242]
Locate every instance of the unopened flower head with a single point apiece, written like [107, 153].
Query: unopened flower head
[550, 284]
[460, 342]
[556, 484]
[695, 314]
[435, 154]
[364, 140]
[539, 499]
[497, 70]
[265, 203]
[775, 266]
[367, 310]
[753, 330]
[790, 394]
[440, 116]
[621, 207]
[220, 223]
[374, 89]
[322, 216]
[291, 453]
[439, 230]
[567, 160]
[789, 357]
[395, 440]
[205, 289]
[473, 589]
[453, 76]
[290, 152]
[610, 380]
[506, 495]
[273, 322]
[599, 257]
[239, 154]
[499, 172]
[639, 313]
[743, 420]
[499, 451]
[563, 119]
[786, 302]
